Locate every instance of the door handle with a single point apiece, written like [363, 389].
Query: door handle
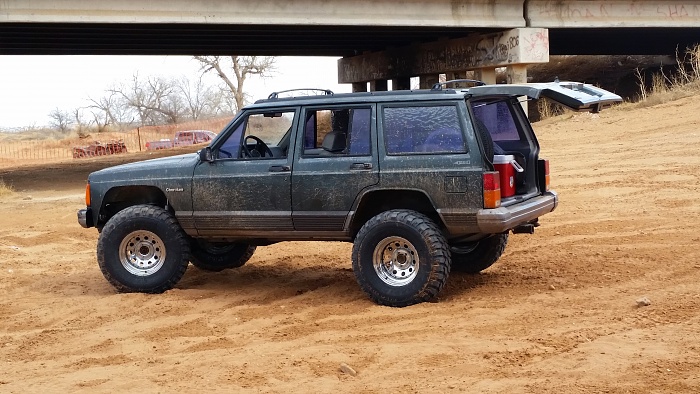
[279, 169]
[361, 166]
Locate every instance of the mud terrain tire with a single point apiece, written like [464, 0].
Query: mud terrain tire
[401, 258]
[481, 256]
[143, 249]
[218, 257]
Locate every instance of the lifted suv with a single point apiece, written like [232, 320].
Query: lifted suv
[421, 182]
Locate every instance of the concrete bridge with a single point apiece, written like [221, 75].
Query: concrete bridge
[379, 40]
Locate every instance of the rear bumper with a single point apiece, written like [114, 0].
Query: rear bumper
[491, 221]
[85, 218]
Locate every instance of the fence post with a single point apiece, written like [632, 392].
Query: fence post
[138, 133]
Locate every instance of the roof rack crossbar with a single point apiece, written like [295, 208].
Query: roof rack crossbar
[438, 86]
[326, 92]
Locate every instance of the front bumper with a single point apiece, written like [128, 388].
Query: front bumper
[85, 218]
[499, 220]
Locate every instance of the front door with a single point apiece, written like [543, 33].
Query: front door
[245, 189]
[336, 160]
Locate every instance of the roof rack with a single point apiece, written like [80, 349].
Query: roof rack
[326, 92]
[438, 86]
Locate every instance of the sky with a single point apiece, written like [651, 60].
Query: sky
[33, 86]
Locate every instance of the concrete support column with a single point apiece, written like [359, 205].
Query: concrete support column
[455, 75]
[380, 85]
[487, 75]
[428, 80]
[359, 87]
[401, 84]
[518, 74]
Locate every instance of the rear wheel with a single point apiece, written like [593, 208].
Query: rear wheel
[475, 257]
[401, 258]
[220, 256]
[143, 249]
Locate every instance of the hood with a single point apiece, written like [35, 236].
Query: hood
[162, 168]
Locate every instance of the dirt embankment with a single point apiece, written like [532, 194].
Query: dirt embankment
[556, 314]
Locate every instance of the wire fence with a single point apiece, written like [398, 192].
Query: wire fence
[26, 147]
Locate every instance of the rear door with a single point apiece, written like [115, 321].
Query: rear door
[430, 147]
[335, 159]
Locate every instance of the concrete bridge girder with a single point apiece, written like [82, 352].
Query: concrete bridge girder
[333, 27]
[612, 13]
[472, 13]
[482, 52]
[443, 13]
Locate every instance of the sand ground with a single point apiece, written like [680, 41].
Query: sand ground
[557, 313]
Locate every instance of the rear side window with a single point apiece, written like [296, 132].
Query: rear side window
[337, 131]
[497, 117]
[423, 129]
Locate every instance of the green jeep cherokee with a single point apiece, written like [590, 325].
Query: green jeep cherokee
[422, 182]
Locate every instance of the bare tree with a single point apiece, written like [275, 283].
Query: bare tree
[60, 120]
[201, 101]
[81, 126]
[110, 110]
[234, 70]
[154, 100]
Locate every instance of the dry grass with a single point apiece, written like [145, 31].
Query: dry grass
[665, 87]
[5, 189]
[548, 109]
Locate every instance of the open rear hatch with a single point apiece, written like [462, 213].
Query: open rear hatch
[500, 121]
[574, 95]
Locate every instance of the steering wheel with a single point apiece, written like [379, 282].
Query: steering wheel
[260, 150]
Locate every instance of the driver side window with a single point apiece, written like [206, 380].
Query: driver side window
[259, 136]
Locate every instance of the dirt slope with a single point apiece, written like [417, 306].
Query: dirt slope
[556, 314]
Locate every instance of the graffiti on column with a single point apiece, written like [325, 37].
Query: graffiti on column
[491, 50]
[536, 46]
[500, 49]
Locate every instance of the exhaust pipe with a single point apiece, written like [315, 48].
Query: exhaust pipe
[524, 229]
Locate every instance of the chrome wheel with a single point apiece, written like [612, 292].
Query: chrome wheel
[142, 253]
[395, 261]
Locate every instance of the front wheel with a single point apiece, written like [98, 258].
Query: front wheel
[143, 249]
[476, 257]
[220, 256]
[401, 258]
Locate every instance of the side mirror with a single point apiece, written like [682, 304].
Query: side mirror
[205, 155]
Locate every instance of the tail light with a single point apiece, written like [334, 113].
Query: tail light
[87, 195]
[492, 189]
[544, 177]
